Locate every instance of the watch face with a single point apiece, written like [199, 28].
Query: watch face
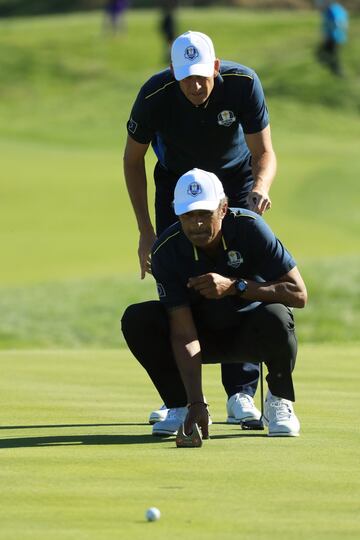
[241, 285]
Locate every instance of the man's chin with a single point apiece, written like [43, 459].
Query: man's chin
[197, 100]
[200, 240]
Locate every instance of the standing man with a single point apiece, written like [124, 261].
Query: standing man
[203, 113]
[335, 24]
[225, 285]
[168, 24]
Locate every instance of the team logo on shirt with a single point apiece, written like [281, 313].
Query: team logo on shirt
[194, 189]
[191, 53]
[226, 118]
[160, 290]
[132, 125]
[235, 259]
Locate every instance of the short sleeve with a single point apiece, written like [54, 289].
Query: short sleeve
[172, 291]
[254, 113]
[272, 260]
[139, 124]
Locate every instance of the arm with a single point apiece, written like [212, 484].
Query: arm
[289, 289]
[135, 177]
[186, 347]
[264, 169]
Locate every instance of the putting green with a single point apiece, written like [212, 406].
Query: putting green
[78, 460]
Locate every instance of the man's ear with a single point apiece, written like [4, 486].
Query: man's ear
[216, 67]
[223, 209]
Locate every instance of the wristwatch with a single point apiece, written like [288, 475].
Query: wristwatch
[241, 286]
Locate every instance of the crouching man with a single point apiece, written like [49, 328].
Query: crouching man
[226, 285]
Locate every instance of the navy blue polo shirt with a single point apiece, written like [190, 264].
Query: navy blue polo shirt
[249, 250]
[208, 136]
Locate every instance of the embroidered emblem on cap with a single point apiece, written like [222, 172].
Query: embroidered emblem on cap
[235, 259]
[194, 189]
[226, 118]
[191, 53]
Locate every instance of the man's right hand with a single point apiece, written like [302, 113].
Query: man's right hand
[198, 414]
[146, 242]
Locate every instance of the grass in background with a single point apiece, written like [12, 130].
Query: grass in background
[67, 233]
[78, 460]
[86, 313]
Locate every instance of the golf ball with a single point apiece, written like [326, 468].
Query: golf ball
[153, 514]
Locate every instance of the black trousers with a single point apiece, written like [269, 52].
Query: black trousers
[328, 53]
[235, 377]
[266, 334]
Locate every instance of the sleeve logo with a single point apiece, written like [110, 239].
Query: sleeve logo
[132, 125]
[160, 290]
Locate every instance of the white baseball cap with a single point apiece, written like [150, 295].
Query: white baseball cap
[192, 53]
[197, 190]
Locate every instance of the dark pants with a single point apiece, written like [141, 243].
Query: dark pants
[265, 334]
[328, 53]
[235, 377]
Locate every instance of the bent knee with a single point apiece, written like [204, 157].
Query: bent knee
[279, 319]
[136, 317]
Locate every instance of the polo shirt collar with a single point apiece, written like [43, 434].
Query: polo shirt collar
[196, 250]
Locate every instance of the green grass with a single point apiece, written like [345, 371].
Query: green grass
[78, 459]
[86, 313]
[67, 233]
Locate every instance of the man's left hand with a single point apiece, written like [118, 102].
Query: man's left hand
[259, 201]
[212, 286]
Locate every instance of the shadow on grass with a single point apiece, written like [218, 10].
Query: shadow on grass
[43, 426]
[78, 440]
[98, 440]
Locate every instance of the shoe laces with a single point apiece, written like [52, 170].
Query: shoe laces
[244, 400]
[283, 410]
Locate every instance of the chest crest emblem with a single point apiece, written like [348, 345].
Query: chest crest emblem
[235, 259]
[226, 118]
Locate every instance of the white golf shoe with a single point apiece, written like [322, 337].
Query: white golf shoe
[159, 415]
[172, 422]
[280, 417]
[241, 408]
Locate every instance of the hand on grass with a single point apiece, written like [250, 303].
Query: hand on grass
[198, 414]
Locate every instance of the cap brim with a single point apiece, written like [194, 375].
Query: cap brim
[182, 208]
[202, 70]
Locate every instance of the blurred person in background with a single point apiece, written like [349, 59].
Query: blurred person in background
[335, 24]
[211, 114]
[168, 25]
[114, 15]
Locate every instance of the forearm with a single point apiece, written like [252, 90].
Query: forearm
[264, 170]
[135, 177]
[188, 358]
[284, 292]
